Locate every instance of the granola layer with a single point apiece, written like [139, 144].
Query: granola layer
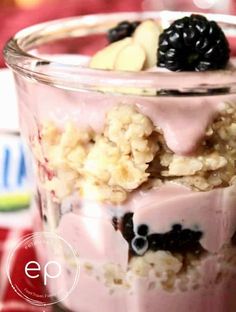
[131, 153]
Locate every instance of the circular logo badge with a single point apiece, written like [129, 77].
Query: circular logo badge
[43, 268]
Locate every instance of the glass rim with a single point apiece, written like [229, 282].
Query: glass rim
[78, 77]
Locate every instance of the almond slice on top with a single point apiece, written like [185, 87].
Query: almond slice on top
[147, 35]
[105, 58]
[130, 58]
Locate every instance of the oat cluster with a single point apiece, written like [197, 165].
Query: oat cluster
[103, 166]
[212, 165]
[165, 270]
[131, 153]
[162, 269]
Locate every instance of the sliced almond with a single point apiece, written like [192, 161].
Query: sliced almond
[130, 58]
[147, 35]
[105, 58]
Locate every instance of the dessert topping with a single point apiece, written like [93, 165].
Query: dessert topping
[105, 58]
[176, 240]
[147, 35]
[122, 30]
[133, 47]
[130, 58]
[193, 44]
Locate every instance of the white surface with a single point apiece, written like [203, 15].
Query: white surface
[16, 219]
[8, 102]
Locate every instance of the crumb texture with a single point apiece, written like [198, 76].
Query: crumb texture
[131, 153]
[167, 271]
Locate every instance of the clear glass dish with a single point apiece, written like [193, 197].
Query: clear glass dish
[135, 170]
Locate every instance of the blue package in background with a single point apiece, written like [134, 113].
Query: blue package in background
[14, 188]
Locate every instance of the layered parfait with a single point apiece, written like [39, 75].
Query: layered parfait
[141, 182]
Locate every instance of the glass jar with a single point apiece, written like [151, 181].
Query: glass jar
[136, 171]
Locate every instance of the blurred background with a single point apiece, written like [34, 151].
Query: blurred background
[16, 14]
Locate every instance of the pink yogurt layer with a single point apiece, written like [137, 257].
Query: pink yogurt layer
[183, 120]
[95, 240]
[98, 243]
[213, 213]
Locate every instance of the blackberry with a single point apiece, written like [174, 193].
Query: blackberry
[193, 44]
[233, 239]
[176, 227]
[155, 242]
[122, 30]
[127, 226]
[176, 240]
[216, 91]
[139, 245]
[142, 230]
